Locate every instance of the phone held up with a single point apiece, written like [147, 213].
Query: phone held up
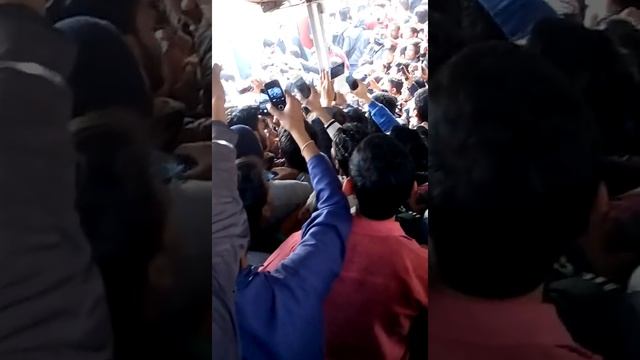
[276, 94]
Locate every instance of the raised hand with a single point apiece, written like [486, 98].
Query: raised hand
[326, 86]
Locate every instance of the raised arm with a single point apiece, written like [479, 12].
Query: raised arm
[229, 232]
[274, 308]
[314, 103]
[380, 114]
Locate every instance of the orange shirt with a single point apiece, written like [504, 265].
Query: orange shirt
[463, 328]
[380, 291]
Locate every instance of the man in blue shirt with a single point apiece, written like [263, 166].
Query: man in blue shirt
[279, 314]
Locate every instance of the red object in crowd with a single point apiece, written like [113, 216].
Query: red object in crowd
[381, 289]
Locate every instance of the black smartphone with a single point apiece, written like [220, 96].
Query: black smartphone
[302, 87]
[276, 94]
[336, 70]
[352, 82]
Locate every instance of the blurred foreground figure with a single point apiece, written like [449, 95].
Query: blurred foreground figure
[52, 301]
[502, 207]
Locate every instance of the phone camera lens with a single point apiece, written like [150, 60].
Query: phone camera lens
[280, 107]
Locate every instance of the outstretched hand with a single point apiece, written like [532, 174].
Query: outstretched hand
[292, 117]
[313, 102]
[326, 86]
[362, 92]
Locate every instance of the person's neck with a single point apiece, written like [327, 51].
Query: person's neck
[36, 5]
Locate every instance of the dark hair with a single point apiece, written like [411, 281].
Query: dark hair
[382, 176]
[627, 39]
[421, 100]
[356, 115]
[398, 85]
[337, 114]
[514, 161]
[422, 14]
[414, 145]
[345, 141]
[444, 41]
[290, 149]
[594, 66]
[413, 29]
[247, 116]
[120, 13]
[253, 191]
[387, 100]
[105, 74]
[248, 143]
[345, 13]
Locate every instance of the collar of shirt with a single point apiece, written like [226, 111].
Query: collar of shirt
[370, 227]
[519, 321]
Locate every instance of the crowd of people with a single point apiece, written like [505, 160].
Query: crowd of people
[104, 237]
[319, 210]
[533, 202]
[383, 43]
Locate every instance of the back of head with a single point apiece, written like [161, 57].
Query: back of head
[290, 149]
[120, 13]
[345, 141]
[337, 114]
[106, 73]
[414, 145]
[397, 84]
[387, 100]
[382, 177]
[248, 143]
[596, 68]
[356, 115]
[345, 14]
[511, 164]
[247, 116]
[445, 40]
[422, 104]
[422, 14]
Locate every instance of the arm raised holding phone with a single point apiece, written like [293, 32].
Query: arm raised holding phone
[280, 313]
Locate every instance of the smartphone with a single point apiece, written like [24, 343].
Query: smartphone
[276, 94]
[302, 87]
[337, 70]
[352, 82]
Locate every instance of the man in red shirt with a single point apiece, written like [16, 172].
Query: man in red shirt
[513, 180]
[381, 293]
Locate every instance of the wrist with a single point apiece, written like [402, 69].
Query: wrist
[300, 136]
